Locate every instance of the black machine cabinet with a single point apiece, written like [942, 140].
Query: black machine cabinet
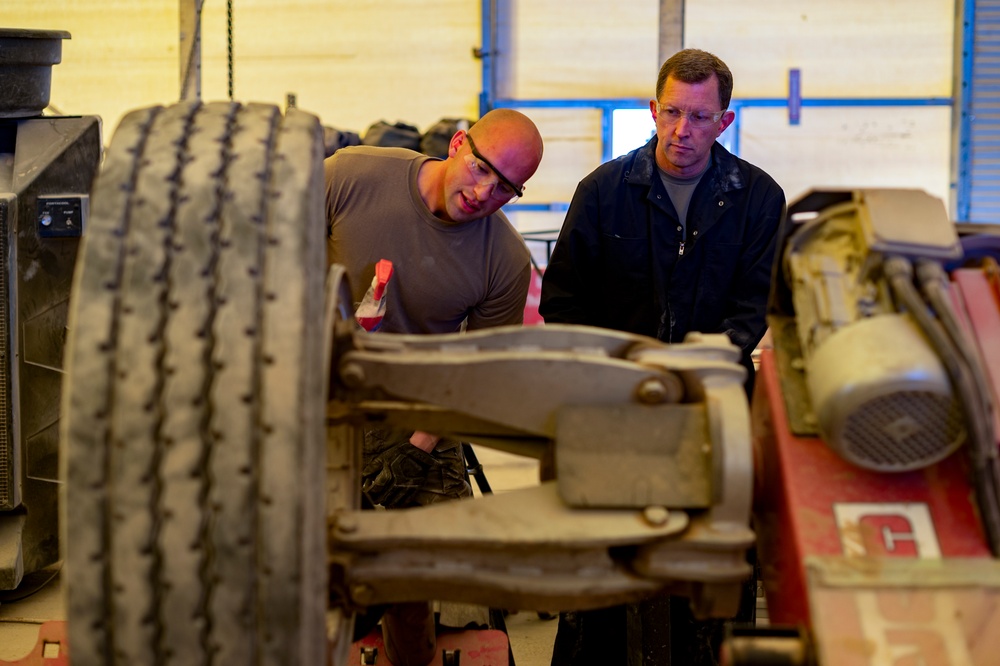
[47, 165]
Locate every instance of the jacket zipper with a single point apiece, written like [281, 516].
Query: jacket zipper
[680, 250]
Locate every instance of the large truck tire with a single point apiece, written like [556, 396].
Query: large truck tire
[194, 399]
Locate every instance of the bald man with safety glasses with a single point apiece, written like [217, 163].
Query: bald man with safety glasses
[458, 264]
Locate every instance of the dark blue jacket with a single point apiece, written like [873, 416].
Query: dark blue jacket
[619, 262]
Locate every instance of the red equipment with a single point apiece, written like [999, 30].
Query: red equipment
[874, 567]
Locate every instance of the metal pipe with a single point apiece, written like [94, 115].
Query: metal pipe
[190, 49]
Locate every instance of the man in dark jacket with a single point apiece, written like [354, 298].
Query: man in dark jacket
[676, 236]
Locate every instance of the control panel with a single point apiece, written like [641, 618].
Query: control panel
[62, 216]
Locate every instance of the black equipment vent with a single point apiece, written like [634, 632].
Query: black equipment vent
[8, 467]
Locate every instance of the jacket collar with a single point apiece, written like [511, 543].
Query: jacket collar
[724, 172]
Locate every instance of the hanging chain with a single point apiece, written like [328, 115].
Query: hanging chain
[229, 45]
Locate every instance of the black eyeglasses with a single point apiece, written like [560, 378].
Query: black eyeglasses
[504, 188]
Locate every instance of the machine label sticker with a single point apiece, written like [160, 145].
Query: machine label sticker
[886, 530]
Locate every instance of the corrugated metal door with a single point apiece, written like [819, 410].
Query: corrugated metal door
[978, 99]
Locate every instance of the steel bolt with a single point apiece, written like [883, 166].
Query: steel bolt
[353, 375]
[651, 391]
[657, 516]
[361, 593]
[347, 524]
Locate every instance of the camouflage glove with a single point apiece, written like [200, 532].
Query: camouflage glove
[394, 476]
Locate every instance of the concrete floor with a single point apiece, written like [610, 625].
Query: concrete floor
[531, 637]
[20, 621]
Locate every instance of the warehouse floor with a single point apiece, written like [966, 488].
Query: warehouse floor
[20, 621]
[531, 637]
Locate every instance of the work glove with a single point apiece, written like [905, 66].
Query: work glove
[393, 477]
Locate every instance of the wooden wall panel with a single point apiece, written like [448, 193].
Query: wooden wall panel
[585, 48]
[844, 48]
[572, 150]
[844, 147]
[354, 62]
[351, 62]
[122, 54]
